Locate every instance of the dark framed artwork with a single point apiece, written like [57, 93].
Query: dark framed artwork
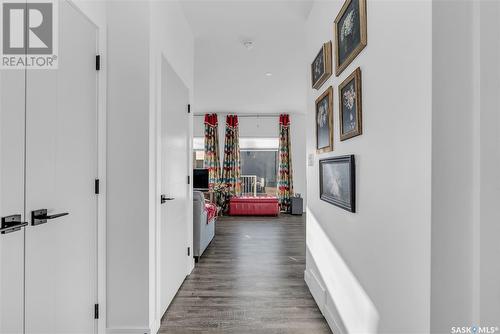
[350, 106]
[321, 68]
[350, 33]
[337, 182]
[324, 122]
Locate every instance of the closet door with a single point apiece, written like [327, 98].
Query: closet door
[61, 167]
[12, 201]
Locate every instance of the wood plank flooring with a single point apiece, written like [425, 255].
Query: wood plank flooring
[249, 280]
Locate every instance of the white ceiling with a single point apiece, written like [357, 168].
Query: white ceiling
[230, 78]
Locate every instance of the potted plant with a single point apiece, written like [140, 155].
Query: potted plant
[222, 196]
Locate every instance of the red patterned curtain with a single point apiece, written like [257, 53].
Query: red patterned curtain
[285, 179]
[231, 171]
[212, 161]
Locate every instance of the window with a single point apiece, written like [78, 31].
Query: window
[198, 152]
[259, 166]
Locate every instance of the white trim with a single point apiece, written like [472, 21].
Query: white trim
[156, 73]
[324, 302]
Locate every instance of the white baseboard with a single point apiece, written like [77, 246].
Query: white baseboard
[155, 326]
[128, 331]
[134, 330]
[324, 302]
[317, 290]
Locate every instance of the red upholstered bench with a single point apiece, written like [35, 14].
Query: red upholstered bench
[253, 206]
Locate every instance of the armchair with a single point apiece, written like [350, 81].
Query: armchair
[203, 232]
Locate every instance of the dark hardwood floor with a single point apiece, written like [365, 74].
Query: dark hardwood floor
[249, 280]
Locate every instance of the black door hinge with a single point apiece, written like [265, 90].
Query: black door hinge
[189, 251]
[96, 186]
[96, 311]
[189, 179]
[189, 108]
[98, 62]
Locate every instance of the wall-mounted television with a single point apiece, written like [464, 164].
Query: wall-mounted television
[200, 178]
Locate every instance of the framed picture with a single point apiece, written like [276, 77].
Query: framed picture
[337, 182]
[350, 106]
[321, 68]
[324, 122]
[350, 33]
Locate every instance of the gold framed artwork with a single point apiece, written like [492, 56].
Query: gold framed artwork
[350, 106]
[324, 122]
[350, 33]
[321, 68]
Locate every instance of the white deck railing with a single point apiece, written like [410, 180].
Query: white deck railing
[249, 185]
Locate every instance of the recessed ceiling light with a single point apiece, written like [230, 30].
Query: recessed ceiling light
[268, 74]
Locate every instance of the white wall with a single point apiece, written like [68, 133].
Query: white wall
[370, 271]
[139, 32]
[128, 194]
[298, 131]
[466, 156]
[453, 165]
[268, 127]
[490, 161]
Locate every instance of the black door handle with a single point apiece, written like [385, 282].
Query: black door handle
[11, 224]
[39, 217]
[164, 198]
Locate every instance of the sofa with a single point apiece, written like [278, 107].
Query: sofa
[203, 231]
[253, 206]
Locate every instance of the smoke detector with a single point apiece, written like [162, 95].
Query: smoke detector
[248, 44]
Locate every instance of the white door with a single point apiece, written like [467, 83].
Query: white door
[11, 201]
[174, 186]
[61, 167]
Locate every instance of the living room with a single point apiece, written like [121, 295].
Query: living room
[259, 144]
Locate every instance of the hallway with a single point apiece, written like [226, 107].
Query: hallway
[249, 280]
